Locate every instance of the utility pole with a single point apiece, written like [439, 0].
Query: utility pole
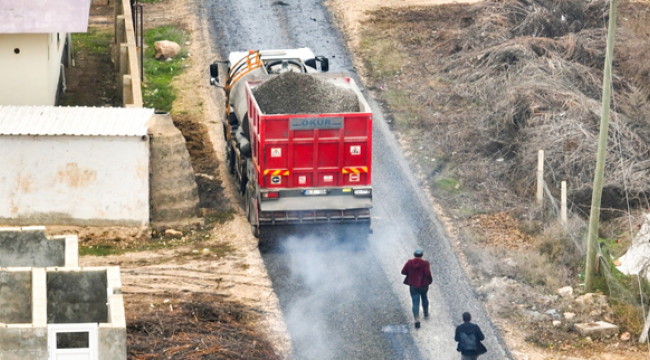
[597, 192]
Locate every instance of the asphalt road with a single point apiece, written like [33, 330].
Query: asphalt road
[343, 297]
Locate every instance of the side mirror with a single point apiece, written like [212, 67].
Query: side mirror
[324, 63]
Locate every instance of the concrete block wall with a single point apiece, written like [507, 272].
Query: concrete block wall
[76, 296]
[30, 246]
[23, 342]
[15, 297]
[28, 341]
[126, 55]
[112, 335]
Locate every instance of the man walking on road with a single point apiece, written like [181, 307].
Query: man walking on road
[469, 337]
[418, 278]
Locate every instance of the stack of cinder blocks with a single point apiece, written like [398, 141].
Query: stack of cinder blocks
[42, 286]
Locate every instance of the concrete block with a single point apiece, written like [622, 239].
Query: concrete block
[20, 326]
[77, 297]
[10, 338]
[34, 228]
[39, 297]
[111, 343]
[71, 251]
[598, 329]
[30, 246]
[117, 316]
[113, 277]
[33, 338]
[23, 355]
[15, 297]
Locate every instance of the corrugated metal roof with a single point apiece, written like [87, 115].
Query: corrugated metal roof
[77, 121]
[44, 16]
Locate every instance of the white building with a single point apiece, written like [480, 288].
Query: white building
[74, 166]
[33, 36]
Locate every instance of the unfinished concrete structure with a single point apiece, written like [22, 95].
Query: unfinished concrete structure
[57, 312]
[31, 247]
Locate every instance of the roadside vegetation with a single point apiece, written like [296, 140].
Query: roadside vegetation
[158, 92]
[475, 91]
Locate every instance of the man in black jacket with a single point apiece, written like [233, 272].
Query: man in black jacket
[469, 337]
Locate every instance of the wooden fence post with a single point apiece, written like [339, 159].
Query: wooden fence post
[540, 177]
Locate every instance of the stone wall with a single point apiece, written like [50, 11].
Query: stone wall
[174, 196]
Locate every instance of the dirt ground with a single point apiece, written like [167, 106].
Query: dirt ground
[526, 339]
[220, 263]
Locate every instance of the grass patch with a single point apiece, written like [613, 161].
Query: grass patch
[382, 57]
[100, 250]
[95, 42]
[404, 106]
[92, 81]
[158, 93]
[448, 185]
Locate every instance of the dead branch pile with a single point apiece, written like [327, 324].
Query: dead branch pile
[297, 93]
[521, 76]
[204, 328]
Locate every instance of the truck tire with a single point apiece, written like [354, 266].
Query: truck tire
[230, 158]
[225, 132]
[251, 212]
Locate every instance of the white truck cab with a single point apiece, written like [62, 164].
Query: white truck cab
[268, 62]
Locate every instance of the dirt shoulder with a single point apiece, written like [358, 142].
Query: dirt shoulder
[240, 275]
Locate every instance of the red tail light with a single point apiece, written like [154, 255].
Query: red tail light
[271, 195]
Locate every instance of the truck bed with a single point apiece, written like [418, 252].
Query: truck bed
[315, 165]
[312, 150]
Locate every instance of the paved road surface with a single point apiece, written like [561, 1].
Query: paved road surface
[345, 299]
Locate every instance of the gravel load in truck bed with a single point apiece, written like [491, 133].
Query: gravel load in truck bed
[297, 93]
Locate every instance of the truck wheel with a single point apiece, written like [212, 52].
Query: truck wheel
[255, 229]
[251, 212]
[230, 158]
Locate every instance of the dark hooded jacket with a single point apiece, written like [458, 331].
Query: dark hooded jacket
[469, 337]
[418, 273]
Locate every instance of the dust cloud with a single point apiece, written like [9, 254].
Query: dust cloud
[335, 297]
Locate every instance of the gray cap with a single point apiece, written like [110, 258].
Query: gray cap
[418, 252]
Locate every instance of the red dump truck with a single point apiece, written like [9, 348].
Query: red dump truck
[298, 139]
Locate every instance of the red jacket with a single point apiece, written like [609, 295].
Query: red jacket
[418, 273]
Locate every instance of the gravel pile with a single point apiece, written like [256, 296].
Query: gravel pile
[297, 93]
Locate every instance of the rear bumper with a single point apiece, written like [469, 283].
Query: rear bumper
[316, 209]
